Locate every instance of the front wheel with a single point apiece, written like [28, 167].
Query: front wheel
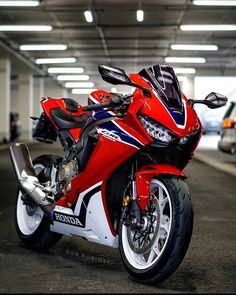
[154, 252]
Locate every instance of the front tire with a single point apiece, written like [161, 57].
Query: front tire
[152, 255]
[32, 225]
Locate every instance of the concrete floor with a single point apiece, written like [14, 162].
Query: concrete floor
[74, 265]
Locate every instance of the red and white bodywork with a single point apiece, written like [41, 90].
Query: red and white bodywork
[119, 139]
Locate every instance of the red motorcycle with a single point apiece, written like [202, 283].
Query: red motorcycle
[121, 180]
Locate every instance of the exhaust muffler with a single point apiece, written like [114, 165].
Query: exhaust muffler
[27, 178]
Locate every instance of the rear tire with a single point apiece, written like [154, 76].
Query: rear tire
[32, 225]
[160, 254]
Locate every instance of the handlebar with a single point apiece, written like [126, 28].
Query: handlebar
[114, 102]
[96, 106]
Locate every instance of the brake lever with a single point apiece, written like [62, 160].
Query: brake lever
[122, 108]
[116, 101]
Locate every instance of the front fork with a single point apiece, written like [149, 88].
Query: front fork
[140, 189]
[130, 205]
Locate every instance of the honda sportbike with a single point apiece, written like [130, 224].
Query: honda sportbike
[120, 182]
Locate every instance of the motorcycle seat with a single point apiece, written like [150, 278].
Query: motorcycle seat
[71, 105]
[66, 120]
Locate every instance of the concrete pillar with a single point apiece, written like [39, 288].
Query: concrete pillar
[65, 93]
[38, 93]
[14, 97]
[25, 95]
[5, 86]
[188, 86]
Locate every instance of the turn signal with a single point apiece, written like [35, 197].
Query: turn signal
[228, 123]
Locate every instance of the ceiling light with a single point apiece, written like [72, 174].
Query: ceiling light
[73, 77]
[79, 84]
[83, 91]
[140, 15]
[185, 59]
[55, 60]
[88, 16]
[19, 3]
[21, 28]
[208, 27]
[184, 70]
[182, 78]
[65, 70]
[43, 47]
[215, 2]
[193, 47]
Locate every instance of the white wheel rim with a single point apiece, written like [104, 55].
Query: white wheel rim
[145, 260]
[28, 223]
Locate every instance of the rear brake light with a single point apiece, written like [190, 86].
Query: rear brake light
[228, 123]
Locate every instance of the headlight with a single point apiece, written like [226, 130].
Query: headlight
[155, 130]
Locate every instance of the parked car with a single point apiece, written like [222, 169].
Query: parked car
[15, 127]
[227, 141]
[211, 122]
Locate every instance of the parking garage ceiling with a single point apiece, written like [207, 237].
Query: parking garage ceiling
[115, 37]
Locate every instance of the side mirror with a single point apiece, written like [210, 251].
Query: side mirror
[118, 76]
[215, 100]
[114, 75]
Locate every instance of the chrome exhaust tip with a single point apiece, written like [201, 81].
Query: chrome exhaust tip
[27, 177]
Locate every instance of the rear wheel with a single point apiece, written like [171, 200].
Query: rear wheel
[153, 253]
[32, 225]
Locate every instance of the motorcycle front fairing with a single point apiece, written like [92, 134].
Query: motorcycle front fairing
[177, 116]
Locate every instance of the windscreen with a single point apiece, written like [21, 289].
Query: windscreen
[163, 80]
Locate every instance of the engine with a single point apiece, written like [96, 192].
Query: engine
[67, 172]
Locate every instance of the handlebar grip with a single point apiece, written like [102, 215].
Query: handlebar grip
[96, 106]
[114, 102]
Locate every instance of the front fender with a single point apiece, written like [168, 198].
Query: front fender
[144, 176]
